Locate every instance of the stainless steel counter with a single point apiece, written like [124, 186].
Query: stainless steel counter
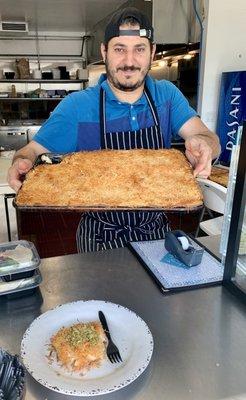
[199, 335]
[212, 243]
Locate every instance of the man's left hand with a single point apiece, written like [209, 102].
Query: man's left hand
[202, 146]
[199, 153]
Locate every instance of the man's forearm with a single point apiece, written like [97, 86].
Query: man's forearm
[212, 140]
[195, 128]
[25, 153]
[30, 152]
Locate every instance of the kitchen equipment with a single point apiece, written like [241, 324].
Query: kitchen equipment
[61, 92]
[22, 66]
[14, 137]
[82, 73]
[13, 91]
[51, 93]
[63, 72]
[47, 75]
[18, 133]
[112, 350]
[9, 75]
[31, 132]
[56, 73]
[180, 246]
[37, 74]
[7, 152]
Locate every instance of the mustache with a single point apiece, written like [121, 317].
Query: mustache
[128, 68]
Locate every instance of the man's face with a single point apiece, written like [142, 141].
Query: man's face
[128, 60]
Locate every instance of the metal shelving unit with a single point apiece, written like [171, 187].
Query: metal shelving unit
[44, 80]
[13, 99]
[40, 82]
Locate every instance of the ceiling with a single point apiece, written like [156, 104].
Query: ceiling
[62, 15]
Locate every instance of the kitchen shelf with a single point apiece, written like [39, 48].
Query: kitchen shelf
[36, 107]
[31, 98]
[45, 80]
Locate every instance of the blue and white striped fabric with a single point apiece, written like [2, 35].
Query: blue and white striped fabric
[113, 229]
[107, 230]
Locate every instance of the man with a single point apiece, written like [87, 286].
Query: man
[125, 110]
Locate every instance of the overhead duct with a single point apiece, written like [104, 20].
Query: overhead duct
[13, 27]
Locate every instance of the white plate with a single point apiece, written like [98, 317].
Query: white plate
[128, 330]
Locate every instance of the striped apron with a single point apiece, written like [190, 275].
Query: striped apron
[113, 229]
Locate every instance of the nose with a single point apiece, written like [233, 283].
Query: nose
[129, 58]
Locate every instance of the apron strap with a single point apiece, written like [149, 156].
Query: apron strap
[152, 105]
[102, 113]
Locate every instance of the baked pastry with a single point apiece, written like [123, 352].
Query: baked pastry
[79, 347]
[111, 179]
[220, 176]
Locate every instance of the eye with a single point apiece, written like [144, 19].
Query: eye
[140, 49]
[119, 50]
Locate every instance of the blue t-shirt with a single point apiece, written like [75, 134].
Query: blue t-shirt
[74, 124]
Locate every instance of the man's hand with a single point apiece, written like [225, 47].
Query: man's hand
[199, 153]
[22, 162]
[19, 168]
[202, 146]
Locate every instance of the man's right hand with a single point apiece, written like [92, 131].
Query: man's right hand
[19, 168]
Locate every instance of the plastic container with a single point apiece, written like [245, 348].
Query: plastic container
[17, 257]
[29, 303]
[19, 273]
[21, 286]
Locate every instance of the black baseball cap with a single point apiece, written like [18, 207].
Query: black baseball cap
[112, 29]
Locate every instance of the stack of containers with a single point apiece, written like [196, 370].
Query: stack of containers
[19, 272]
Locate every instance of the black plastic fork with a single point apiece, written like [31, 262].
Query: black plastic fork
[112, 350]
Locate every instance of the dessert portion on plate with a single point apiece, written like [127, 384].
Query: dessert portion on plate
[59, 329]
[79, 347]
[113, 179]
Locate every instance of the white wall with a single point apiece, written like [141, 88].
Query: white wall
[175, 21]
[224, 49]
[170, 21]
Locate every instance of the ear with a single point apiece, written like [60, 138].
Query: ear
[103, 51]
[153, 52]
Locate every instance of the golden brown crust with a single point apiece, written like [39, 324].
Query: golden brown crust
[219, 175]
[80, 347]
[113, 178]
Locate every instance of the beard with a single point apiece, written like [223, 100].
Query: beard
[126, 86]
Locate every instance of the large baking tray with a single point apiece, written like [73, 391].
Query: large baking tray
[55, 158]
